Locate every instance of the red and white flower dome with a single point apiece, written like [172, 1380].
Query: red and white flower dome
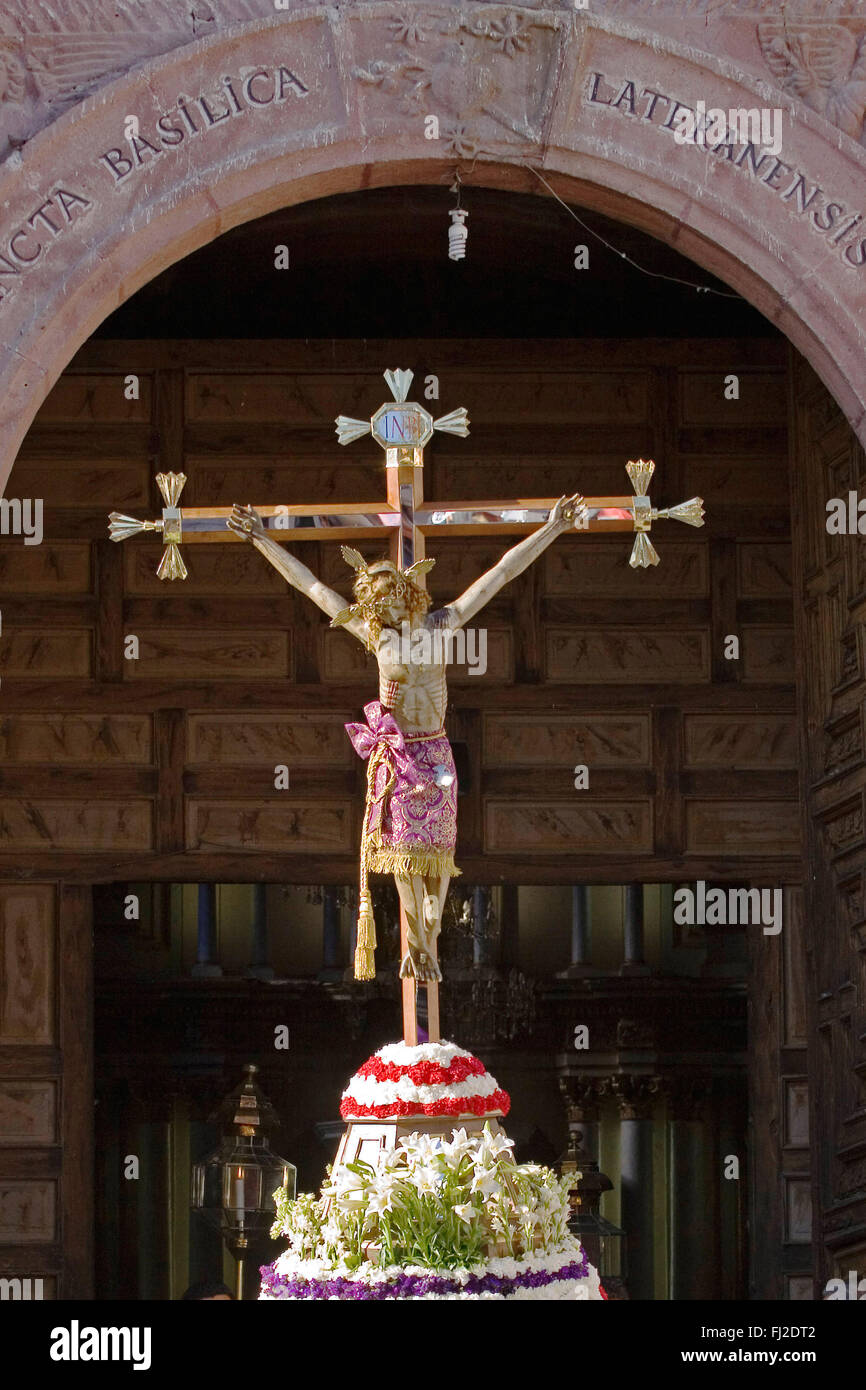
[430, 1079]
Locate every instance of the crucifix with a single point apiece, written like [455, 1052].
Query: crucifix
[409, 826]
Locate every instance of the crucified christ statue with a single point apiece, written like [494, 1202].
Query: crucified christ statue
[410, 819]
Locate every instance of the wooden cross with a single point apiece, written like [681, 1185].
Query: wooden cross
[403, 428]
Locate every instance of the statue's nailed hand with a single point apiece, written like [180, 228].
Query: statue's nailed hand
[246, 523]
[566, 511]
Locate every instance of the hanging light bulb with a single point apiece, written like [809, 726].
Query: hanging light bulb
[458, 234]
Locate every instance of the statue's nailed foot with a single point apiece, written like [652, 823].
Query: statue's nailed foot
[420, 966]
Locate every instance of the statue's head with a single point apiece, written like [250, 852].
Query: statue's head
[385, 596]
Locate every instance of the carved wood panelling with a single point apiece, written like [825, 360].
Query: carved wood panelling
[61, 567]
[84, 397]
[558, 741]
[109, 486]
[767, 654]
[212, 570]
[76, 738]
[596, 657]
[27, 969]
[41, 824]
[49, 654]
[296, 738]
[28, 1113]
[307, 399]
[763, 399]
[292, 827]
[750, 481]
[596, 567]
[722, 827]
[27, 1212]
[764, 571]
[513, 827]
[740, 741]
[210, 653]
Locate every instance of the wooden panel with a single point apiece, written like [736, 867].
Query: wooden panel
[75, 738]
[213, 569]
[210, 653]
[764, 571]
[307, 399]
[763, 398]
[80, 396]
[27, 1212]
[28, 1113]
[767, 654]
[297, 739]
[755, 480]
[115, 487]
[514, 474]
[742, 827]
[55, 567]
[741, 741]
[798, 1211]
[636, 656]
[521, 828]
[96, 824]
[27, 970]
[561, 741]
[595, 567]
[796, 1113]
[45, 652]
[302, 827]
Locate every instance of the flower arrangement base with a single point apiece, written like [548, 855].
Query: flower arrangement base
[424, 1199]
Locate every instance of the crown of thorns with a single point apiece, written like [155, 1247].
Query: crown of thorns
[405, 581]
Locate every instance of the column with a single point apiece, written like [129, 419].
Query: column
[509, 952]
[483, 944]
[632, 931]
[259, 967]
[331, 969]
[635, 1095]
[581, 924]
[581, 1096]
[206, 966]
[692, 1267]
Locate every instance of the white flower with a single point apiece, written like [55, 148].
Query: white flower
[486, 1182]
[460, 1144]
[466, 1212]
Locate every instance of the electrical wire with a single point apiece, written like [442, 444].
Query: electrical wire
[655, 274]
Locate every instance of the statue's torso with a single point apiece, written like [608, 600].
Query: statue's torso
[412, 680]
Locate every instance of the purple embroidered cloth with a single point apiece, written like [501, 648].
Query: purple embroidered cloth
[412, 823]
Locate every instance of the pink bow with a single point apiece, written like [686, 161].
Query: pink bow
[382, 730]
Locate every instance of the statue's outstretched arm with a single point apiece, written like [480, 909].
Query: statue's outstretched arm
[247, 523]
[515, 560]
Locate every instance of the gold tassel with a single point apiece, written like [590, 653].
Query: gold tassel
[365, 965]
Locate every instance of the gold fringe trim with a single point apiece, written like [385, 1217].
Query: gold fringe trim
[406, 862]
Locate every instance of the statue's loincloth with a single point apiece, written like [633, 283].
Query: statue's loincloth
[410, 825]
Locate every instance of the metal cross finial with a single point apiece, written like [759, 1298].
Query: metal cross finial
[171, 566]
[404, 424]
[644, 553]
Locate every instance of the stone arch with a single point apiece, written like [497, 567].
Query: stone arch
[318, 102]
